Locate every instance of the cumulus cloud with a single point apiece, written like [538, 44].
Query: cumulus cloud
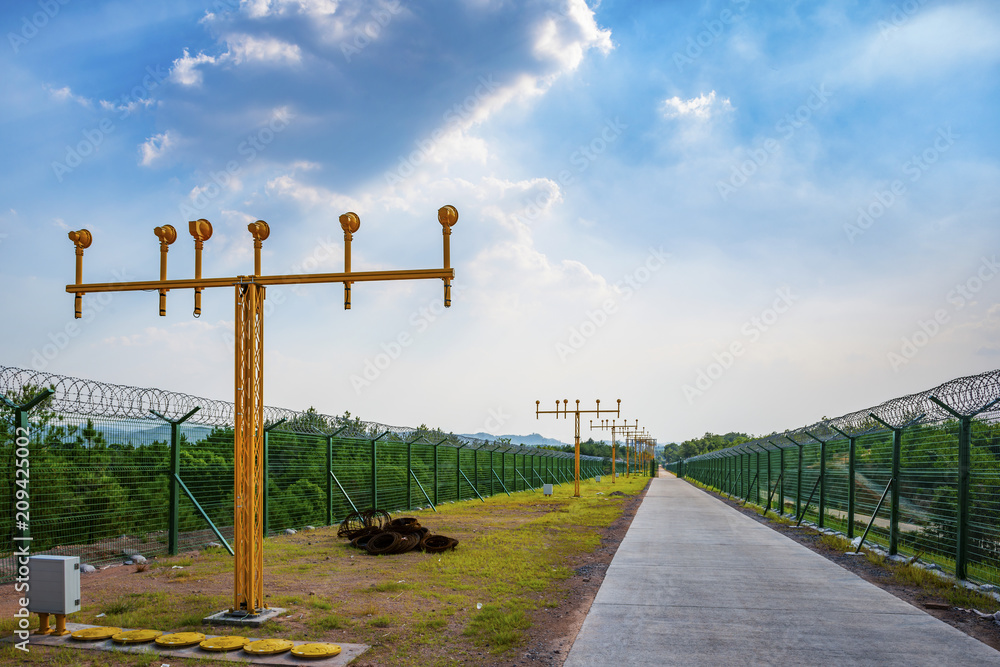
[153, 149]
[185, 69]
[566, 37]
[701, 107]
[64, 94]
[246, 48]
[127, 107]
[241, 48]
[265, 8]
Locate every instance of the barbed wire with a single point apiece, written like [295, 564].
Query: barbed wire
[93, 398]
[965, 395]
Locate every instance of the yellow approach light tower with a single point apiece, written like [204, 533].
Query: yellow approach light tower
[610, 424]
[577, 412]
[630, 433]
[248, 566]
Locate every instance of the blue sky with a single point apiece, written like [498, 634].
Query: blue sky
[732, 215]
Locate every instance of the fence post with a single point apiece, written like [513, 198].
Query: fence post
[22, 434]
[375, 468]
[757, 499]
[781, 478]
[458, 473]
[850, 480]
[798, 479]
[897, 447]
[329, 476]
[175, 479]
[897, 453]
[964, 475]
[436, 470]
[822, 479]
[265, 494]
[503, 465]
[329, 480]
[409, 475]
[768, 481]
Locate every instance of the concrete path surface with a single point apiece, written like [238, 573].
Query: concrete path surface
[695, 582]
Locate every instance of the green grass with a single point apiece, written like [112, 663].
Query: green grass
[319, 603]
[875, 558]
[957, 596]
[836, 542]
[330, 622]
[498, 628]
[387, 587]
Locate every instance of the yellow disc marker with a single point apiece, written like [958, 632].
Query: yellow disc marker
[180, 639]
[268, 646]
[227, 643]
[95, 634]
[136, 636]
[318, 650]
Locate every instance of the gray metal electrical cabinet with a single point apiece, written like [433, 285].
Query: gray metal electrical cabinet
[53, 584]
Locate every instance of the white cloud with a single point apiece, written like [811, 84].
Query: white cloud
[309, 195]
[185, 70]
[566, 37]
[129, 107]
[245, 48]
[64, 94]
[264, 8]
[701, 107]
[242, 48]
[930, 42]
[153, 148]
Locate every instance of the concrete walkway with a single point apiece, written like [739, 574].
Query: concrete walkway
[695, 582]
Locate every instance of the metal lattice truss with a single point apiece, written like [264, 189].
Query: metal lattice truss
[966, 396]
[91, 398]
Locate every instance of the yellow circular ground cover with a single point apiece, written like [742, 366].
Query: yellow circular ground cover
[136, 636]
[317, 650]
[180, 639]
[268, 646]
[95, 634]
[227, 643]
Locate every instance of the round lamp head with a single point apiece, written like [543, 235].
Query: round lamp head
[350, 222]
[448, 215]
[167, 234]
[259, 229]
[81, 239]
[201, 229]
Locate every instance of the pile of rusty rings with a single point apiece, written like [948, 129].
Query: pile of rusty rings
[373, 531]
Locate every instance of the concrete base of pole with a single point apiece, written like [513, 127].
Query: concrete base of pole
[240, 618]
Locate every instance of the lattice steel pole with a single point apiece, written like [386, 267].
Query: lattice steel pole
[250, 291]
[576, 429]
[604, 425]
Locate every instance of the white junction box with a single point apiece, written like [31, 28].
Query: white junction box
[54, 584]
[547, 489]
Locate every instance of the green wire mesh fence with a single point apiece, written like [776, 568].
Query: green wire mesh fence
[104, 471]
[920, 473]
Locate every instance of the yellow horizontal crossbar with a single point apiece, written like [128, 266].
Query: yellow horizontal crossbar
[293, 279]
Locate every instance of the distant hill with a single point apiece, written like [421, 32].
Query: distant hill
[533, 440]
